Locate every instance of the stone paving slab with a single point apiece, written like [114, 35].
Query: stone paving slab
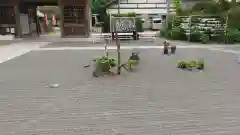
[13, 50]
[159, 99]
[7, 42]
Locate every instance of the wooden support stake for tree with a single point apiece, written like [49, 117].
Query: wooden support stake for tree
[226, 28]
[118, 53]
[106, 44]
[190, 28]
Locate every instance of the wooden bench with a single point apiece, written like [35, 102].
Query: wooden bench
[148, 36]
[123, 36]
[101, 37]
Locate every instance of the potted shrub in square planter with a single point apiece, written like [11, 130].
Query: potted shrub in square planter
[103, 65]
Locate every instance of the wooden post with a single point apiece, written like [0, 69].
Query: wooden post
[225, 29]
[31, 15]
[18, 29]
[118, 53]
[61, 7]
[38, 27]
[190, 28]
[106, 44]
[88, 18]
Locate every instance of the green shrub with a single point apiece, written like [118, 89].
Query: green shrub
[205, 38]
[165, 31]
[104, 63]
[200, 64]
[169, 21]
[177, 22]
[191, 64]
[139, 24]
[232, 36]
[210, 7]
[233, 18]
[195, 35]
[106, 24]
[218, 38]
[178, 33]
[182, 64]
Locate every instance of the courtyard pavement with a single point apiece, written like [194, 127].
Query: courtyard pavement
[158, 99]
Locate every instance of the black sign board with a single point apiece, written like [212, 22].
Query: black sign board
[123, 24]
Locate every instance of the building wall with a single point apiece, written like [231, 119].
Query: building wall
[20, 15]
[141, 7]
[75, 17]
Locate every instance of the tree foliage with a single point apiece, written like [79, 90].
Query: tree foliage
[101, 5]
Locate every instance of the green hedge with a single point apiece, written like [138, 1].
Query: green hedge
[177, 33]
[232, 36]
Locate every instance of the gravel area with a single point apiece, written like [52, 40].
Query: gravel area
[158, 99]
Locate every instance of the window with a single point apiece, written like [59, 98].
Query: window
[157, 21]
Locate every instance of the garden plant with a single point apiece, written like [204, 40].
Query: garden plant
[191, 65]
[204, 22]
[103, 66]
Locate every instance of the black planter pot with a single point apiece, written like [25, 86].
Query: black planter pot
[173, 49]
[165, 50]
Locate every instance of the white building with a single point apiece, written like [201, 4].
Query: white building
[141, 7]
[147, 9]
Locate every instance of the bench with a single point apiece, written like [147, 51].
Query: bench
[100, 37]
[126, 36]
[149, 36]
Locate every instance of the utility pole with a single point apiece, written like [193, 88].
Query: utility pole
[168, 10]
[118, 7]
[168, 6]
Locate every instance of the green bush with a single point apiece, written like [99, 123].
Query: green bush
[178, 33]
[232, 36]
[191, 64]
[210, 7]
[200, 64]
[218, 38]
[139, 24]
[195, 35]
[205, 38]
[165, 33]
[182, 64]
[104, 63]
[106, 24]
[166, 29]
[177, 22]
[233, 18]
[130, 14]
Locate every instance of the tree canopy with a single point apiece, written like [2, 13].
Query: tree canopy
[101, 5]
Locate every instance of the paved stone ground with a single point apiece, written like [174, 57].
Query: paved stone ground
[142, 42]
[159, 99]
[7, 42]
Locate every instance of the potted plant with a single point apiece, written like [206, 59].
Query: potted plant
[103, 65]
[182, 64]
[191, 64]
[200, 64]
[173, 49]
